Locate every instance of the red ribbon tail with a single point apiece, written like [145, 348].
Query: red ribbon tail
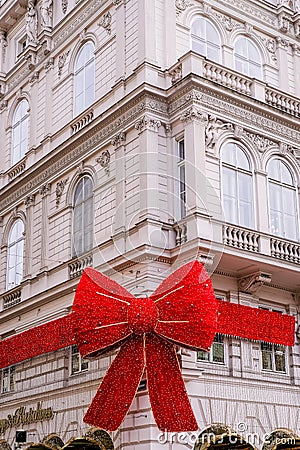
[110, 405]
[169, 400]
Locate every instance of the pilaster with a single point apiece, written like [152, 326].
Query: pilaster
[29, 203]
[44, 192]
[147, 128]
[194, 138]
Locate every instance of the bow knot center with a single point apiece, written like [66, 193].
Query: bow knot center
[142, 315]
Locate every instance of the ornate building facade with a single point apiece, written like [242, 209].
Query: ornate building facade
[136, 136]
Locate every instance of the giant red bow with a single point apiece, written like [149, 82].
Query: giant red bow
[183, 311]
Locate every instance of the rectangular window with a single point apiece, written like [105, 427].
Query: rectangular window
[8, 379]
[182, 185]
[216, 353]
[273, 357]
[78, 364]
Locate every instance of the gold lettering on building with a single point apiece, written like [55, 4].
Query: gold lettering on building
[23, 417]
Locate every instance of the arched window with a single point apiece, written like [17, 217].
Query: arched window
[15, 254]
[83, 216]
[84, 78]
[206, 39]
[247, 58]
[282, 200]
[20, 132]
[237, 186]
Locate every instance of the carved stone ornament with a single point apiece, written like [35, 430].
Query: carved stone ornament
[60, 186]
[45, 189]
[117, 2]
[193, 113]
[3, 105]
[272, 47]
[182, 5]
[61, 61]
[34, 77]
[212, 130]
[251, 283]
[104, 159]
[284, 22]
[29, 200]
[118, 140]
[64, 6]
[260, 142]
[4, 445]
[49, 64]
[105, 22]
[147, 123]
[176, 73]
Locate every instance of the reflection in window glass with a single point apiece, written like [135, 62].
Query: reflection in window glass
[20, 132]
[15, 255]
[83, 217]
[216, 353]
[237, 186]
[282, 200]
[206, 39]
[247, 58]
[84, 78]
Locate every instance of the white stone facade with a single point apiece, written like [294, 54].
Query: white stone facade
[151, 91]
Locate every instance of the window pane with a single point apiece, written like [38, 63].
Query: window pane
[205, 39]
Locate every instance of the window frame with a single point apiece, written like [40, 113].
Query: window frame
[249, 62]
[11, 244]
[83, 363]
[218, 339]
[11, 370]
[181, 178]
[76, 252]
[194, 39]
[238, 171]
[77, 109]
[20, 148]
[283, 186]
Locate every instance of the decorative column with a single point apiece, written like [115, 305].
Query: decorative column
[147, 128]
[3, 45]
[118, 141]
[146, 32]
[194, 139]
[296, 62]
[169, 37]
[48, 66]
[120, 39]
[29, 203]
[44, 192]
[33, 79]
[283, 47]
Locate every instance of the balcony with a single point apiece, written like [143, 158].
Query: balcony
[192, 63]
[11, 298]
[77, 266]
[241, 238]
